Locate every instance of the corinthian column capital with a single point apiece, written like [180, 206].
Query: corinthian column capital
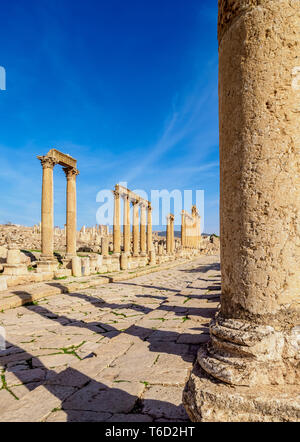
[70, 172]
[47, 162]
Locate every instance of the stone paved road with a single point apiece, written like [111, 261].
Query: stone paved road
[120, 352]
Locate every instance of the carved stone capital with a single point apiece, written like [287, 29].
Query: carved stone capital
[47, 162]
[70, 172]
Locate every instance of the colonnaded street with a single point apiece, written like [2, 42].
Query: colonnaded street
[118, 352]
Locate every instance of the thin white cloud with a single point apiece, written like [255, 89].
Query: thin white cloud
[183, 123]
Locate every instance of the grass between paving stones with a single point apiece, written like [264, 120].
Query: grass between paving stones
[156, 360]
[28, 342]
[119, 381]
[60, 277]
[31, 303]
[5, 387]
[119, 314]
[71, 350]
[187, 299]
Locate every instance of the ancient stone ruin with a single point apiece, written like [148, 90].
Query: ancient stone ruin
[47, 262]
[250, 368]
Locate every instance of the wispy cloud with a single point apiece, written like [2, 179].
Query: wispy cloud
[183, 125]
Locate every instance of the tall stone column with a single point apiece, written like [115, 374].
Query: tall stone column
[168, 235]
[254, 348]
[143, 229]
[135, 228]
[183, 230]
[47, 224]
[117, 223]
[172, 245]
[126, 225]
[71, 231]
[149, 229]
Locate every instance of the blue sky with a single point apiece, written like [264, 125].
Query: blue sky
[127, 87]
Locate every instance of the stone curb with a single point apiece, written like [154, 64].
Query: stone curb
[26, 294]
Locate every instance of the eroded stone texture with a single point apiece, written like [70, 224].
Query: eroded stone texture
[255, 337]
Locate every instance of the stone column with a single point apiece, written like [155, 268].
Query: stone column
[117, 223]
[47, 223]
[172, 244]
[183, 230]
[149, 229]
[143, 229]
[126, 225]
[104, 246]
[135, 228]
[253, 349]
[168, 242]
[71, 174]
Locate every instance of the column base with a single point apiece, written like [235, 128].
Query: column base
[47, 266]
[15, 269]
[246, 354]
[70, 255]
[208, 400]
[47, 258]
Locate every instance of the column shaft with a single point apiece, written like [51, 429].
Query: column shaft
[149, 230]
[47, 223]
[172, 245]
[168, 236]
[135, 228]
[126, 225]
[117, 222]
[71, 212]
[143, 229]
[183, 232]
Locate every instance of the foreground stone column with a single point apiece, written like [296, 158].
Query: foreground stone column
[149, 229]
[253, 352]
[135, 228]
[117, 223]
[143, 230]
[71, 231]
[126, 225]
[47, 223]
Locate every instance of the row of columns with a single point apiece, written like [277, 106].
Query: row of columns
[47, 224]
[142, 235]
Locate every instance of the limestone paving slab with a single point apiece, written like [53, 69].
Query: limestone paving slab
[116, 352]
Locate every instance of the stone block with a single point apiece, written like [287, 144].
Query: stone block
[85, 266]
[62, 273]
[3, 283]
